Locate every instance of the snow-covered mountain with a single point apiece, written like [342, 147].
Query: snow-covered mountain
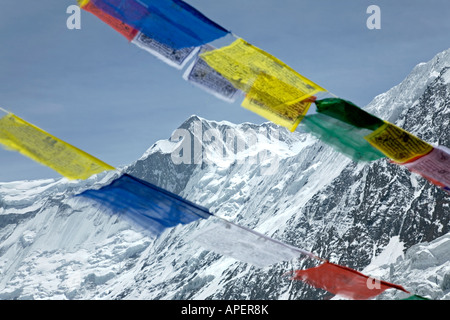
[374, 217]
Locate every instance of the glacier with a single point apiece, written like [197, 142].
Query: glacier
[375, 217]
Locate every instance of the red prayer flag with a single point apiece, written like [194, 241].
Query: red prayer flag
[124, 29]
[344, 281]
[435, 166]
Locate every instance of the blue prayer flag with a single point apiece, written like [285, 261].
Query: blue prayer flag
[146, 205]
[171, 22]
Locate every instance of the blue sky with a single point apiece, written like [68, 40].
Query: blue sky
[93, 89]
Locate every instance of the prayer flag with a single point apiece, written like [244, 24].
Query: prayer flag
[434, 166]
[348, 112]
[146, 205]
[171, 22]
[174, 57]
[124, 29]
[246, 245]
[344, 281]
[274, 90]
[271, 99]
[342, 137]
[82, 3]
[202, 75]
[18, 135]
[416, 297]
[398, 144]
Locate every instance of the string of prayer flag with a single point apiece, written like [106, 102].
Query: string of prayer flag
[175, 32]
[249, 246]
[405, 149]
[155, 209]
[273, 90]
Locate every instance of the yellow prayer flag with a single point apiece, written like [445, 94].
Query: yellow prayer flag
[31, 141]
[82, 3]
[274, 90]
[276, 101]
[398, 144]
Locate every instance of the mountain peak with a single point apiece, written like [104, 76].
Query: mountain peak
[389, 105]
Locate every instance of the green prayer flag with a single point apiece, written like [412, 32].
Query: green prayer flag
[343, 137]
[416, 297]
[347, 112]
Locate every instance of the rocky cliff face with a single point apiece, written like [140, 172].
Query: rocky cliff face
[286, 185]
